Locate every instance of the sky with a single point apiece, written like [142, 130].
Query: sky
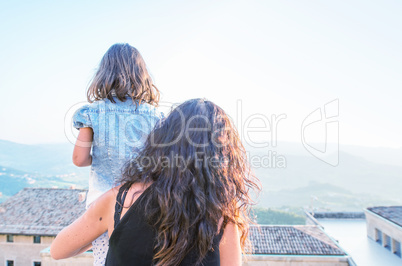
[258, 60]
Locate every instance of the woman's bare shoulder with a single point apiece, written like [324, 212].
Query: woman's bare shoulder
[108, 199]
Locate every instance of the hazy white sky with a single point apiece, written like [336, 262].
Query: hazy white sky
[277, 57]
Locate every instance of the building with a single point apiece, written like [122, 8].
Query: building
[31, 219]
[384, 225]
[294, 245]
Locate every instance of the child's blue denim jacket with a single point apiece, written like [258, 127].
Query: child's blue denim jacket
[120, 129]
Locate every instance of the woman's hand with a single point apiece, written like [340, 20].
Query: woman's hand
[78, 237]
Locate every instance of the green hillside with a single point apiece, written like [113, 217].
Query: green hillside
[271, 216]
[12, 181]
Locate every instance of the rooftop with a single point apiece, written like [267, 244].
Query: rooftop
[391, 213]
[40, 211]
[293, 240]
[352, 237]
[46, 211]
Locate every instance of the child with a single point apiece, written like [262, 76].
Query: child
[116, 123]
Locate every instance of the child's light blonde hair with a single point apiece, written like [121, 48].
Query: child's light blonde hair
[122, 72]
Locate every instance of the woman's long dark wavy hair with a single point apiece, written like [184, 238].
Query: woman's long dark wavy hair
[199, 173]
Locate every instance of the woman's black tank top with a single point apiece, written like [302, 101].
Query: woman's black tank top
[133, 239]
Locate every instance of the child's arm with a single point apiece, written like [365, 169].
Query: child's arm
[82, 149]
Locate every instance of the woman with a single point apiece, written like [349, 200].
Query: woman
[184, 198]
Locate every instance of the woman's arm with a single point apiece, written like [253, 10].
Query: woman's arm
[77, 237]
[229, 247]
[82, 149]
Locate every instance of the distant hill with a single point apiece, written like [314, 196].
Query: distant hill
[43, 159]
[321, 197]
[47, 165]
[353, 184]
[270, 216]
[378, 155]
[12, 181]
[353, 173]
[356, 182]
[386, 156]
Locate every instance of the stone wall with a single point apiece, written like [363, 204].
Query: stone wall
[380, 228]
[22, 251]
